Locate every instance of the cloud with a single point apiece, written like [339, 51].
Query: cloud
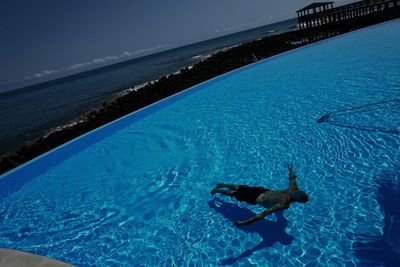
[78, 66]
[126, 54]
[45, 73]
[99, 61]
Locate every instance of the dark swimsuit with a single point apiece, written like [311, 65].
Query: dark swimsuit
[249, 194]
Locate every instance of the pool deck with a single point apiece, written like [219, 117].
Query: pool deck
[15, 258]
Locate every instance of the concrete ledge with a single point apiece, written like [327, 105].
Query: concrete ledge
[15, 258]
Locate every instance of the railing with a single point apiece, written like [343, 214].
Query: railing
[346, 12]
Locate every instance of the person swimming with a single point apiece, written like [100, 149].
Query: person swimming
[272, 200]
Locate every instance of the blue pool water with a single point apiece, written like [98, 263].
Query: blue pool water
[136, 192]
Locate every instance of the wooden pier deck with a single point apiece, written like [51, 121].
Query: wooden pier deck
[323, 14]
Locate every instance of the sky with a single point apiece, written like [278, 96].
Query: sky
[43, 37]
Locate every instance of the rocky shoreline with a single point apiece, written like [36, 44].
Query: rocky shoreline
[215, 65]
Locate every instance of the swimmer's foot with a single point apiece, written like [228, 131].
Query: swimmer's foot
[219, 185]
[213, 191]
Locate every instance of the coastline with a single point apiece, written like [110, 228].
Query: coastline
[188, 67]
[114, 97]
[129, 100]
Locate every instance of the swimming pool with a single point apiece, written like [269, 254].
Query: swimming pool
[136, 192]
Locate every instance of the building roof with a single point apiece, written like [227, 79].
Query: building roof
[315, 5]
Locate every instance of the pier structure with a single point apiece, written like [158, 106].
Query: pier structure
[321, 14]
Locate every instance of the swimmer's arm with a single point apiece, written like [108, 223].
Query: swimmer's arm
[263, 214]
[292, 179]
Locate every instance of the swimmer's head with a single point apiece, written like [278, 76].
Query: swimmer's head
[300, 196]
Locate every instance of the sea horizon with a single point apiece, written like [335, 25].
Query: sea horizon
[9, 87]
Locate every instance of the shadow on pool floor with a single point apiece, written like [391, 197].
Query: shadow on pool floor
[383, 250]
[270, 231]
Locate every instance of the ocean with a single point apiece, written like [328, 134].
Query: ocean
[28, 113]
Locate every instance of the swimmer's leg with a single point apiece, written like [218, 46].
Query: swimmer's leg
[229, 186]
[230, 193]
